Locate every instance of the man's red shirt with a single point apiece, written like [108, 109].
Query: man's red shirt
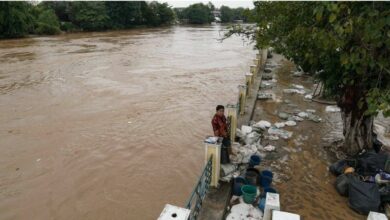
[219, 126]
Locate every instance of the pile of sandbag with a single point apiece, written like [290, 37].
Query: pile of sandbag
[365, 180]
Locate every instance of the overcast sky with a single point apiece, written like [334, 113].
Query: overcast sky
[217, 4]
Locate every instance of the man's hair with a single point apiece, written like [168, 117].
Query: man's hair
[219, 107]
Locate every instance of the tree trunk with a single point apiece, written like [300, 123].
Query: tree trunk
[357, 132]
[357, 127]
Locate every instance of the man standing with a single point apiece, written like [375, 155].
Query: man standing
[220, 130]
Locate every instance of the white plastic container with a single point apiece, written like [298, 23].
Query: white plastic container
[172, 212]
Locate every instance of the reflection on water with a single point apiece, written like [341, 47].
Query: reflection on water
[110, 125]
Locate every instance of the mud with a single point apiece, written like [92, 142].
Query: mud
[300, 163]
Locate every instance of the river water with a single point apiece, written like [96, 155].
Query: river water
[110, 125]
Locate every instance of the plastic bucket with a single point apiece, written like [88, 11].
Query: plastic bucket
[237, 184]
[267, 173]
[265, 181]
[262, 204]
[249, 193]
[252, 176]
[254, 160]
[266, 178]
[268, 189]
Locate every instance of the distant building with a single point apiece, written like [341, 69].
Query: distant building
[217, 15]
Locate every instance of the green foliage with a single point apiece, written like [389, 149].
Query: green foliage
[159, 14]
[15, 19]
[227, 14]
[165, 13]
[199, 13]
[345, 44]
[90, 16]
[68, 27]
[45, 21]
[18, 19]
[61, 9]
[125, 14]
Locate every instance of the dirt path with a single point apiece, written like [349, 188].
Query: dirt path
[300, 163]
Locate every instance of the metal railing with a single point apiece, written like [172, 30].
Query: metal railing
[195, 201]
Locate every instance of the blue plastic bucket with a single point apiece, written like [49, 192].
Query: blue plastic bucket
[267, 173]
[237, 184]
[262, 204]
[268, 189]
[266, 178]
[265, 181]
[254, 160]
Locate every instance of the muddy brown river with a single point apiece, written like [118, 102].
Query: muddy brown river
[110, 125]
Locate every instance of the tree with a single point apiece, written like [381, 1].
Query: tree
[159, 14]
[90, 16]
[343, 44]
[238, 13]
[61, 9]
[199, 14]
[227, 14]
[249, 15]
[124, 14]
[15, 19]
[45, 20]
[166, 13]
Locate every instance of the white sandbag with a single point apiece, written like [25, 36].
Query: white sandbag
[303, 114]
[263, 124]
[252, 138]
[272, 137]
[332, 108]
[280, 132]
[309, 96]
[246, 129]
[269, 148]
[296, 118]
[239, 133]
[279, 124]
[290, 123]
[298, 86]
